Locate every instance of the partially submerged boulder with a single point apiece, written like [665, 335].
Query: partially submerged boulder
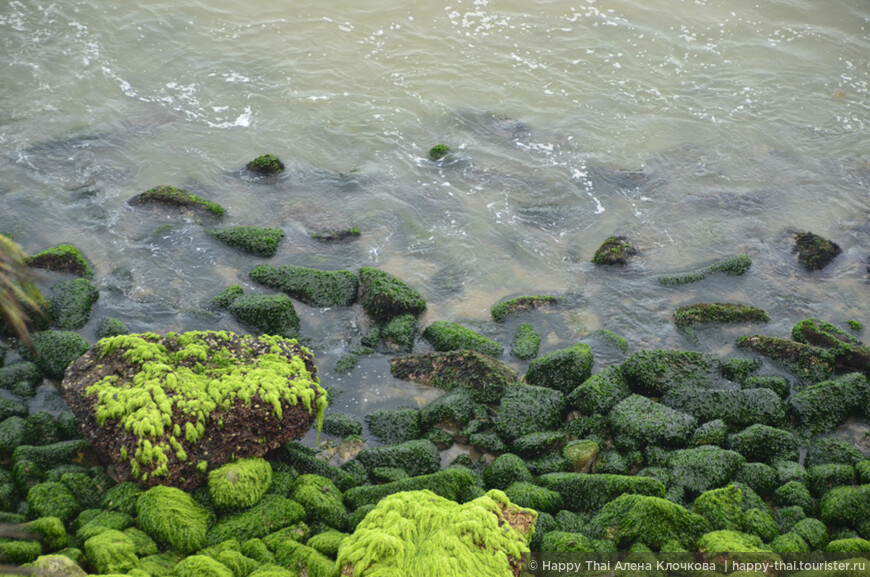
[61, 258]
[266, 165]
[318, 288]
[384, 296]
[420, 533]
[484, 376]
[450, 336]
[815, 252]
[251, 239]
[70, 303]
[168, 409]
[501, 311]
[614, 250]
[718, 313]
[178, 198]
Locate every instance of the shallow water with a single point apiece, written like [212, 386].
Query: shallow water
[699, 129]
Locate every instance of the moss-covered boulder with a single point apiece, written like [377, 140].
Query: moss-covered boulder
[384, 296]
[638, 421]
[268, 314]
[721, 507]
[483, 376]
[589, 493]
[266, 165]
[111, 552]
[111, 327]
[598, 394]
[314, 287]
[166, 409]
[765, 444]
[729, 541]
[614, 250]
[652, 521]
[420, 533]
[718, 313]
[849, 353]
[58, 565]
[807, 362]
[250, 239]
[61, 258]
[438, 151]
[702, 468]
[177, 198]
[54, 351]
[504, 471]
[581, 454]
[239, 484]
[419, 457]
[201, 566]
[272, 513]
[737, 408]
[173, 519]
[399, 332]
[823, 451]
[501, 311]
[454, 484]
[20, 378]
[341, 425]
[52, 499]
[449, 336]
[394, 425]
[762, 478]
[815, 252]
[733, 266]
[70, 303]
[527, 409]
[534, 497]
[846, 506]
[562, 370]
[526, 342]
[824, 406]
[653, 373]
[321, 499]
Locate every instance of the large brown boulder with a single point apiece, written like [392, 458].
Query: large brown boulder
[166, 410]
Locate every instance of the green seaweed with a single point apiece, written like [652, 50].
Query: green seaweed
[250, 239]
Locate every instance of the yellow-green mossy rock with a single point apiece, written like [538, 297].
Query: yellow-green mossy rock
[240, 484]
[167, 409]
[173, 519]
[111, 552]
[201, 566]
[55, 566]
[420, 533]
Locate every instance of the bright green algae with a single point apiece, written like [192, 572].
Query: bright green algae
[174, 394]
[420, 533]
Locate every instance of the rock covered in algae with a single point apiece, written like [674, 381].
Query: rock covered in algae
[420, 533]
[178, 198]
[614, 250]
[251, 239]
[815, 252]
[61, 258]
[168, 409]
[266, 164]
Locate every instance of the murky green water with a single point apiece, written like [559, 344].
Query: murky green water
[699, 129]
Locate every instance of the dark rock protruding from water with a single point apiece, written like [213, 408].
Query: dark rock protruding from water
[384, 296]
[266, 164]
[166, 410]
[815, 252]
[251, 239]
[178, 198]
[61, 258]
[615, 250]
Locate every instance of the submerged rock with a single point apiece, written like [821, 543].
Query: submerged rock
[179, 198]
[485, 377]
[718, 313]
[500, 311]
[168, 409]
[61, 258]
[614, 250]
[732, 265]
[807, 362]
[815, 252]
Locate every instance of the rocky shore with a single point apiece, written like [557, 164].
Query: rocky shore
[180, 455]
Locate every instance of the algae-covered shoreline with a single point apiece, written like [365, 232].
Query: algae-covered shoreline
[664, 451]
